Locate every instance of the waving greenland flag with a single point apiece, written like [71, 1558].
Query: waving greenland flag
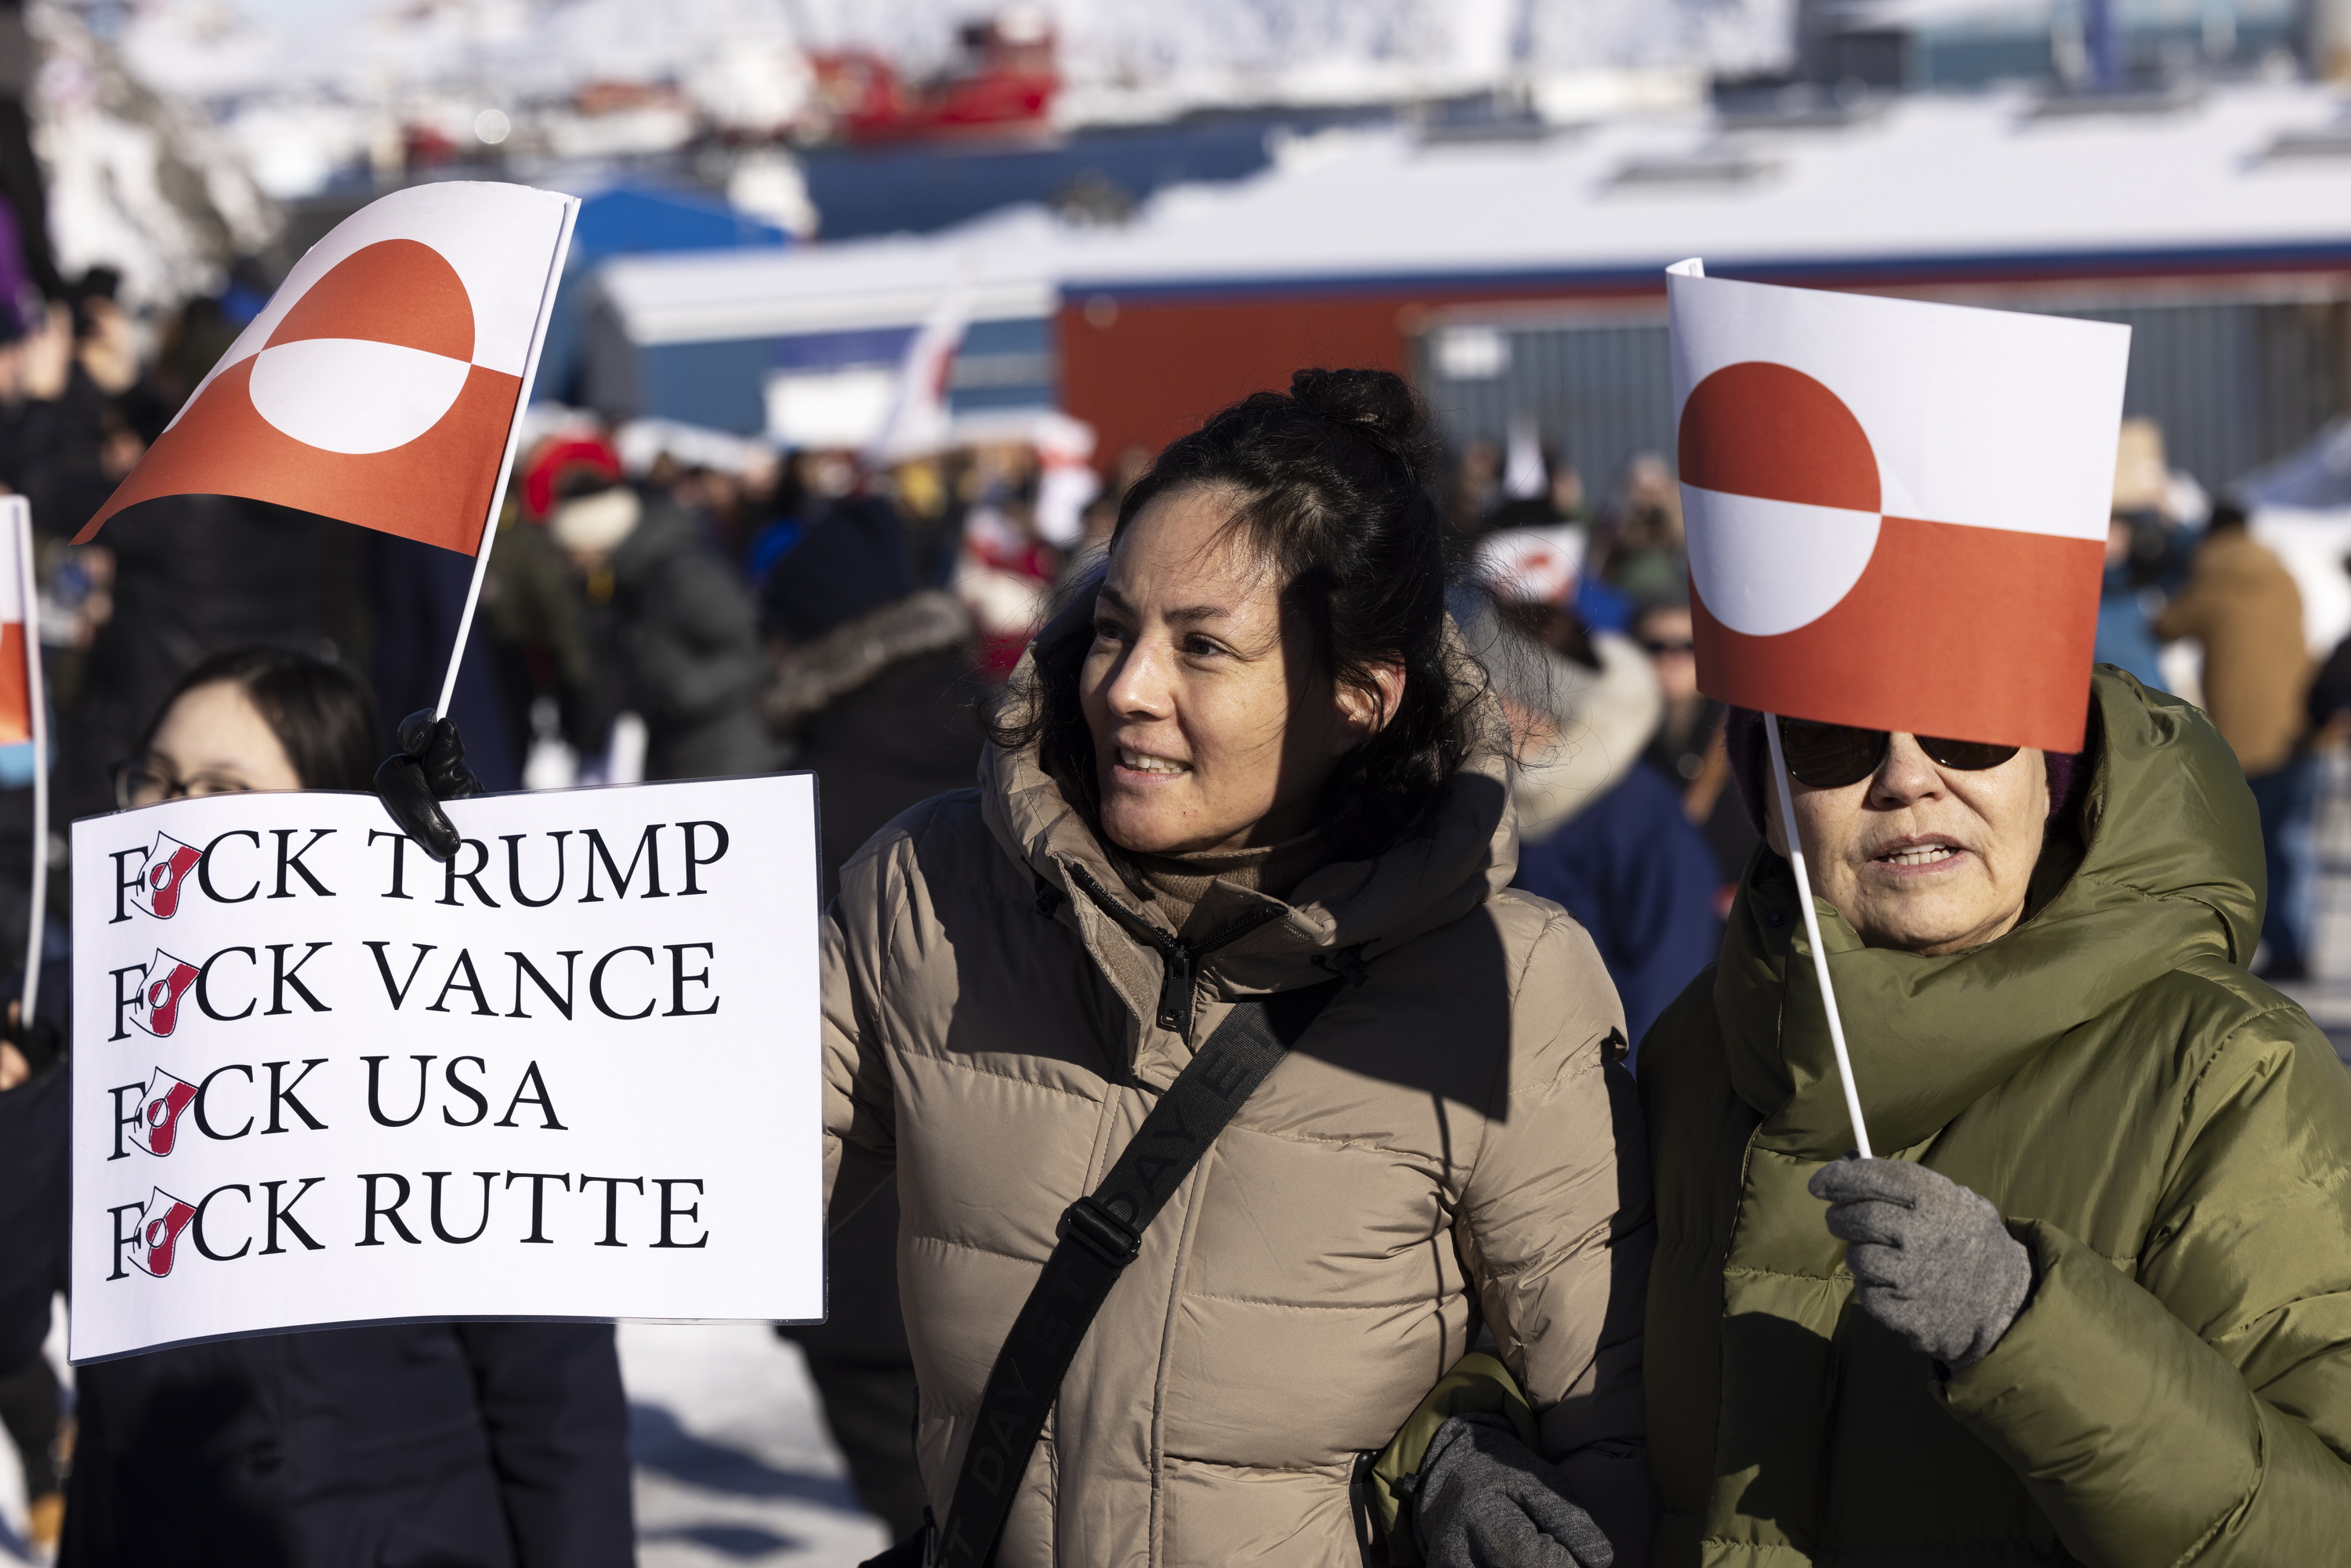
[381, 383]
[1896, 512]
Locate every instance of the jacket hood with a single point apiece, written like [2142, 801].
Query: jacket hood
[2164, 862]
[1461, 852]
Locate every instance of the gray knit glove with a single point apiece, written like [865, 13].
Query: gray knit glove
[1487, 1501]
[1930, 1259]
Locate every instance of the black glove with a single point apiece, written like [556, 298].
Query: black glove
[1485, 1499]
[1930, 1259]
[428, 769]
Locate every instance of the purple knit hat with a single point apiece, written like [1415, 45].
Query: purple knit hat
[1743, 740]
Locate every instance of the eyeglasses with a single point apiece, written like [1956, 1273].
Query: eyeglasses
[142, 784]
[1656, 648]
[1832, 756]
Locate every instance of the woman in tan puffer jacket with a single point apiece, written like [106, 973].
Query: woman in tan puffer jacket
[1248, 760]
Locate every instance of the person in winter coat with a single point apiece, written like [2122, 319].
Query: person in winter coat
[194, 576]
[2240, 603]
[2088, 1305]
[1602, 833]
[1250, 760]
[873, 684]
[36, 1135]
[456, 1445]
[680, 639]
[873, 672]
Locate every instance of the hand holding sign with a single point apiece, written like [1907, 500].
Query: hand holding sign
[428, 769]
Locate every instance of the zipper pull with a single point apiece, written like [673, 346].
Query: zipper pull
[1176, 989]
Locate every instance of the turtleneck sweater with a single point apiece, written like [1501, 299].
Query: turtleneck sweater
[1180, 883]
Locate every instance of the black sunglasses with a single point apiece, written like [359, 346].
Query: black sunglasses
[1832, 756]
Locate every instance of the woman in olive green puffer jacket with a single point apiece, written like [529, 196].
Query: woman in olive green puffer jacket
[2169, 1138]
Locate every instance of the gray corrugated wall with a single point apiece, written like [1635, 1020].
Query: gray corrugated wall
[2233, 385]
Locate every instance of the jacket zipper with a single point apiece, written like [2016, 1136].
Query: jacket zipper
[1180, 959]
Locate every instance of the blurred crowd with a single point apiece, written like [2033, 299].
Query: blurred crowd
[662, 601]
[658, 602]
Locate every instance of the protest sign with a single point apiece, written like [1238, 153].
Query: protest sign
[320, 1079]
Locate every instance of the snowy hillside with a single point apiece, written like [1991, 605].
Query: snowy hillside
[1201, 51]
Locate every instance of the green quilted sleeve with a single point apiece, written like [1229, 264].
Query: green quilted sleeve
[1478, 1382]
[2200, 1413]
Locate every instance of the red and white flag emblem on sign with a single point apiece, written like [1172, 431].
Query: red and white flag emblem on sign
[381, 382]
[159, 1233]
[1896, 512]
[168, 865]
[167, 982]
[158, 1113]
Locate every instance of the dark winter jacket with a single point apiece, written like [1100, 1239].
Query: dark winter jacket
[36, 1132]
[2169, 1137]
[689, 651]
[418, 591]
[875, 692]
[1640, 878]
[194, 576]
[414, 1445]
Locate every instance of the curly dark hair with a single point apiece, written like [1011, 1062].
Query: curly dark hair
[1331, 482]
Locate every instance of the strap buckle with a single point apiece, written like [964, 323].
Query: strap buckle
[1102, 1232]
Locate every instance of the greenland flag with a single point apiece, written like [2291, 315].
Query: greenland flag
[158, 1113]
[168, 865]
[1896, 512]
[167, 981]
[381, 383]
[159, 1224]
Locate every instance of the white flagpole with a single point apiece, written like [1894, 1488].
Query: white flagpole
[37, 709]
[505, 465]
[1785, 790]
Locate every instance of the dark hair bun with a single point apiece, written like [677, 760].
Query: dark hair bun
[1379, 404]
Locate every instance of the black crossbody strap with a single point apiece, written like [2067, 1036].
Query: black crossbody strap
[1101, 1234]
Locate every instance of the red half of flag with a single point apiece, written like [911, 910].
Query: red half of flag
[16, 686]
[435, 489]
[1964, 632]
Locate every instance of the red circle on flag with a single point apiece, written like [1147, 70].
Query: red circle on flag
[399, 291]
[1764, 430]
[372, 355]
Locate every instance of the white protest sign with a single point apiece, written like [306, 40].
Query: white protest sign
[319, 1079]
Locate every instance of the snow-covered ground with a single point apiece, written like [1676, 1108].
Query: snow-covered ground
[734, 1466]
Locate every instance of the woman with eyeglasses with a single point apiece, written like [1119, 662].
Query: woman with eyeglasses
[487, 1444]
[2102, 1260]
[257, 718]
